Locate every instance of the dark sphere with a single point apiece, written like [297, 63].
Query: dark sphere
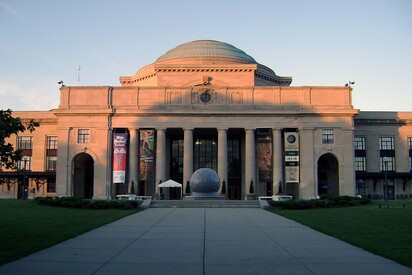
[204, 180]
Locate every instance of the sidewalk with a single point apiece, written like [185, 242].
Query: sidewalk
[203, 241]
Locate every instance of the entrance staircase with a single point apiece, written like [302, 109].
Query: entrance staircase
[205, 204]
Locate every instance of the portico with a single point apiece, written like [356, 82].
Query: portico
[231, 152]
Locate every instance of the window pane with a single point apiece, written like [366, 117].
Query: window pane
[360, 164]
[83, 136]
[51, 186]
[51, 142]
[327, 136]
[24, 142]
[25, 163]
[387, 163]
[51, 163]
[360, 143]
[386, 143]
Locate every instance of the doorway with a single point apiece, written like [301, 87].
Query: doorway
[328, 175]
[83, 176]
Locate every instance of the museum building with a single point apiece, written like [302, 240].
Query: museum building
[208, 104]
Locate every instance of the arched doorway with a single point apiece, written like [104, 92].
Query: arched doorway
[83, 175]
[328, 175]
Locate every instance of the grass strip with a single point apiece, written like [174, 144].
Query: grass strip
[384, 228]
[26, 227]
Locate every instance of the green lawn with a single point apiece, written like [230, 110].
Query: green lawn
[26, 227]
[386, 231]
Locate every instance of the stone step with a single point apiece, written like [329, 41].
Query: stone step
[205, 204]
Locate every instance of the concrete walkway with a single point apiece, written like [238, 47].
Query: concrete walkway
[203, 241]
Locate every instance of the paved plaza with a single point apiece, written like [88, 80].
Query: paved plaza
[203, 241]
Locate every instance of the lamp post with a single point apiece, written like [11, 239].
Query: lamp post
[385, 164]
[25, 195]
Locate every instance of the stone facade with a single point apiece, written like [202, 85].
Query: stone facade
[205, 104]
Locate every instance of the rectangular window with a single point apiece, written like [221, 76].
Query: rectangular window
[327, 136]
[24, 143]
[410, 152]
[51, 186]
[51, 163]
[51, 154]
[83, 136]
[386, 143]
[176, 163]
[360, 164]
[25, 163]
[360, 153]
[360, 143]
[387, 154]
[51, 143]
[387, 163]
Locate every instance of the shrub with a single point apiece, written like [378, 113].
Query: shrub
[70, 202]
[324, 202]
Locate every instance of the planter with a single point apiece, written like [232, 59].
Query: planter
[250, 197]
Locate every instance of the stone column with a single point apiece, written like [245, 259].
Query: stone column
[133, 158]
[308, 186]
[222, 155]
[250, 160]
[187, 156]
[277, 150]
[160, 157]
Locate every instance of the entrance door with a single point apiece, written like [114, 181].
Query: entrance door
[83, 176]
[328, 175]
[389, 191]
[234, 192]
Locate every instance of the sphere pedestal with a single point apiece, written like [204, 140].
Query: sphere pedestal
[205, 184]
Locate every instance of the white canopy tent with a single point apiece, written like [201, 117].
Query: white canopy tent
[171, 184]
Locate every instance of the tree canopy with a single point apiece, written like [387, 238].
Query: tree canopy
[9, 126]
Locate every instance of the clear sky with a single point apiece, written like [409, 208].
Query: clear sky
[317, 42]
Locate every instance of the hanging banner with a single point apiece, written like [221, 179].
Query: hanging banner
[291, 156]
[147, 153]
[264, 155]
[119, 157]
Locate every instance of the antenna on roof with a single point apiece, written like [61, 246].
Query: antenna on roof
[78, 75]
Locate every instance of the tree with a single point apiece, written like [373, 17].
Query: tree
[251, 189]
[132, 188]
[223, 187]
[187, 191]
[9, 126]
[280, 188]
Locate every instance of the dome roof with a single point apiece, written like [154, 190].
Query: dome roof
[206, 49]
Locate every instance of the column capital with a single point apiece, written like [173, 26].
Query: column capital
[307, 129]
[188, 129]
[222, 129]
[161, 129]
[133, 130]
[250, 129]
[275, 130]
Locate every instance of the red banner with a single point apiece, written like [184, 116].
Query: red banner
[119, 157]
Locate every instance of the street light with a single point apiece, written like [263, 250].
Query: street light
[385, 163]
[25, 195]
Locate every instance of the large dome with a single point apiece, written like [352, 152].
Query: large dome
[206, 49]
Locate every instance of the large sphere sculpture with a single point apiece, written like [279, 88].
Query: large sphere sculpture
[204, 182]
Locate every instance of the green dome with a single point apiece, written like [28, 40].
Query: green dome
[206, 49]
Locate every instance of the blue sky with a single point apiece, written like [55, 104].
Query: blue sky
[317, 42]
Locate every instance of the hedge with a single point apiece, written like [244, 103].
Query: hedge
[323, 202]
[70, 202]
